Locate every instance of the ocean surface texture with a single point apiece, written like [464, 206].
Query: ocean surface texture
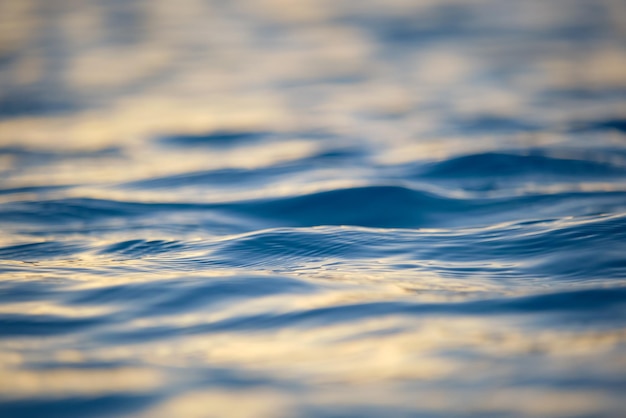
[312, 208]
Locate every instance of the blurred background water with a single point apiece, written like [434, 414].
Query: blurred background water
[312, 208]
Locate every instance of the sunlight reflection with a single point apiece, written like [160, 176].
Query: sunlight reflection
[15, 384]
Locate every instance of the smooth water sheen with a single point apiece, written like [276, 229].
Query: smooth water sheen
[320, 208]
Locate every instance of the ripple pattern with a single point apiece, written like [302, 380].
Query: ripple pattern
[302, 208]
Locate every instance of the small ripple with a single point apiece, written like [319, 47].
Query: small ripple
[600, 304]
[32, 189]
[41, 251]
[142, 248]
[293, 247]
[165, 297]
[12, 325]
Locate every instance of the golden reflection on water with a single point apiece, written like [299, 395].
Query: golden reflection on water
[365, 362]
[341, 364]
[38, 308]
[263, 403]
[228, 81]
[16, 384]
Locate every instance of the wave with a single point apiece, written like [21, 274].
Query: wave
[402, 207]
[516, 250]
[369, 206]
[41, 250]
[500, 165]
[601, 304]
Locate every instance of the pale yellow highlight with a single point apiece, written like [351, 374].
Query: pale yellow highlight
[47, 308]
[15, 384]
[260, 403]
[17, 24]
[116, 67]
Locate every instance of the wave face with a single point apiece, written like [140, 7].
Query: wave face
[313, 208]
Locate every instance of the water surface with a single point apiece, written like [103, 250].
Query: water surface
[312, 208]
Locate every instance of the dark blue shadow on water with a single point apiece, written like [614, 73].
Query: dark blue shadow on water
[107, 405]
[213, 139]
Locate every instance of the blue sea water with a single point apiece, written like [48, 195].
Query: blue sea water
[261, 208]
